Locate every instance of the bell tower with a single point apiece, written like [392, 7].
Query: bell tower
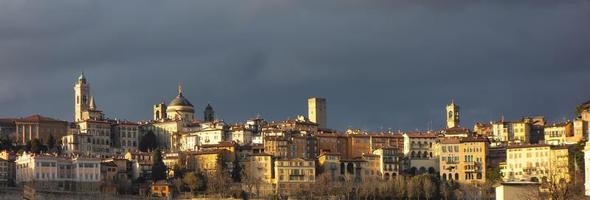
[160, 111]
[81, 98]
[452, 115]
[209, 114]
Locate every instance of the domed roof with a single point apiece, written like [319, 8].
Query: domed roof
[179, 100]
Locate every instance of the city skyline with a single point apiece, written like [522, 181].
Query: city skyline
[431, 125]
[245, 58]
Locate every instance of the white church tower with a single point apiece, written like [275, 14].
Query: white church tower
[81, 98]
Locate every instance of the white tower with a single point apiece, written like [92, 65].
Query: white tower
[81, 98]
[452, 115]
[316, 111]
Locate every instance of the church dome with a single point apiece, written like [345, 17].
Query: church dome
[179, 104]
[179, 100]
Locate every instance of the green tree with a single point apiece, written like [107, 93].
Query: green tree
[37, 146]
[6, 143]
[50, 142]
[236, 173]
[148, 142]
[59, 148]
[28, 145]
[494, 175]
[158, 166]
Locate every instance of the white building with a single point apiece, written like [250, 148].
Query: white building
[240, 135]
[420, 149]
[54, 172]
[212, 133]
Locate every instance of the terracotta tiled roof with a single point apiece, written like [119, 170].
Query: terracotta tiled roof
[421, 135]
[37, 118]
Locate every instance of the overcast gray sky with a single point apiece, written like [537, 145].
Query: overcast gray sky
[380, 63]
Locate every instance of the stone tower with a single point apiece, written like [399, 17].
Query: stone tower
[452, 115]
[81, 98]
[316, 111]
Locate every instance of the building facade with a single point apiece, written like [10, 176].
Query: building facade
[464, 159]
[537, 163]
[59, 173]
[39, 127]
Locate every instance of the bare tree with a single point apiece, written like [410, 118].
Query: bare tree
[218, 182]
[400, 188]
[178, 184]
[322, 186]
[428, 186]
[250, 181]
[347, 185]
[413, 188]
[445, 190]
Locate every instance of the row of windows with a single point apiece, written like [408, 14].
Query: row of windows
[294, 164]
[450, 149]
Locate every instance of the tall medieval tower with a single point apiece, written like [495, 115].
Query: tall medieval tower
[452, 115]
[316, 111]
[81, 98]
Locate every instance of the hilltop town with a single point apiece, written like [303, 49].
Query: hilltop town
[182, 153]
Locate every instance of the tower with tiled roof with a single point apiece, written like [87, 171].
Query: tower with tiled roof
[81, 97]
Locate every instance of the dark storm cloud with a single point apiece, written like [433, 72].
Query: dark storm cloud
[381, 64]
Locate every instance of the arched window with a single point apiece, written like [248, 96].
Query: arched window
[444, 177]
[456, 176]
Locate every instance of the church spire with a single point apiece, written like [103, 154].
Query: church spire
[179, 89]
[92, 104]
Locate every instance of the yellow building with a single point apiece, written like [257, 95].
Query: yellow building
[257, 173]
[463, 159]
[293, 175]
[209, 162]
[259, 167]
[372, 166]
[560, 133]
[537, 163]
[161, 189]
